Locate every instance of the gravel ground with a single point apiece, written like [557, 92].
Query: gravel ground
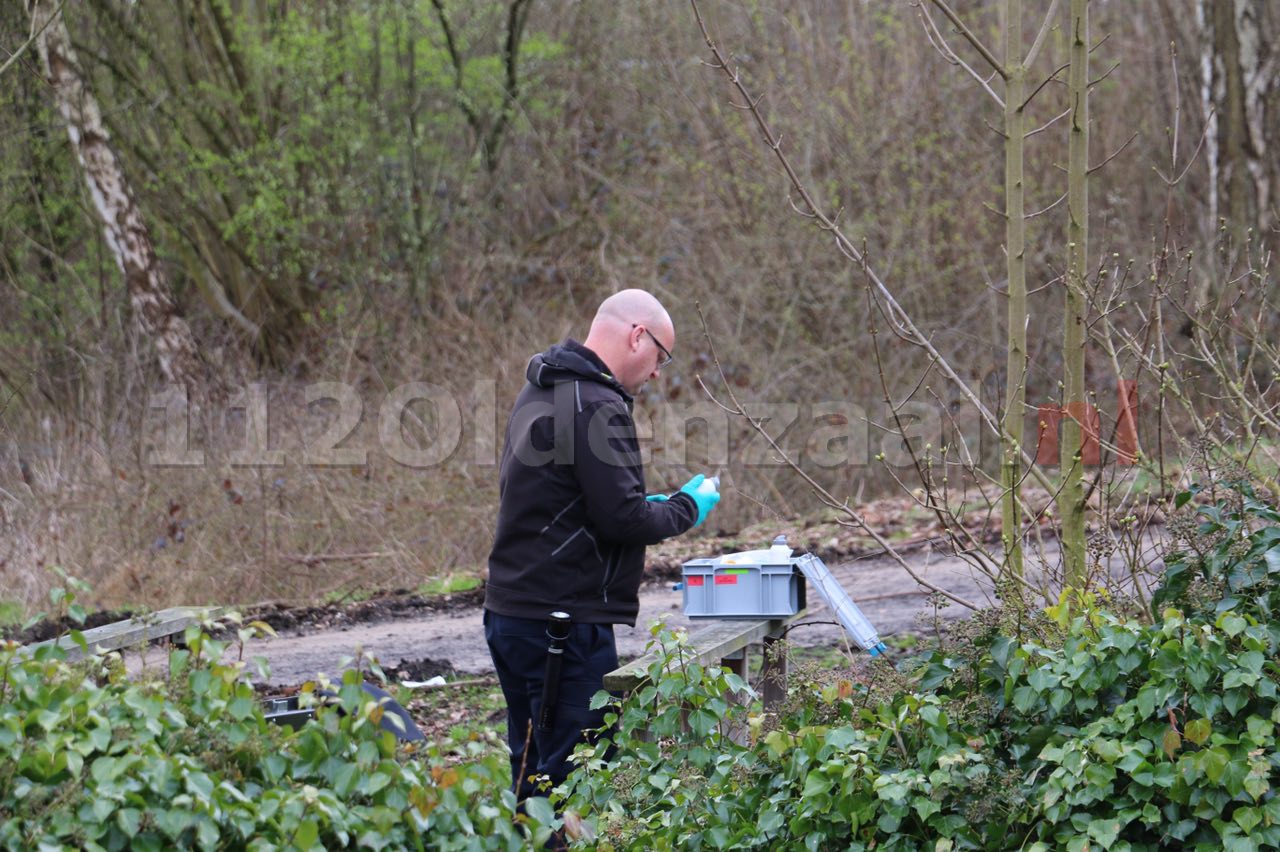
[452, 637]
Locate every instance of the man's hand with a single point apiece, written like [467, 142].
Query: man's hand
[657, 498]
[705, 494]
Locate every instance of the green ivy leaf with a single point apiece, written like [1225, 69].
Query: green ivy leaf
[1132, 759]
[1146, 701]
[1232, 624]
[1051, 754]
[1235, 678]
[376, 782]
[1198, 730]
[925, 808]
[702, 722]
[539, 809]
[308, 834]
[1214, 762]
[1025, 698]
[1256, 783]
[1108, 750]
[1042, 678]
[1002, 647]
[770, 821]
[102, 808]
[1247, 818]
[1260, 730]
[815, 783]
[778, 742]
[200, 785]
[1163, 775]
[1251, 660]
[1105, 831]
[1233, 777]
[1235, 699]
[345, 778]
[128, 820]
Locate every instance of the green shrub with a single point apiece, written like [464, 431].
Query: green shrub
[91, 760]
[1227, 555]
[1091, 730]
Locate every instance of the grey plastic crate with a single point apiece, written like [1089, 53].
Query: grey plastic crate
[713, 589]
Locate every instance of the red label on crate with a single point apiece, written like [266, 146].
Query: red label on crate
[693, 581]
[726, 579]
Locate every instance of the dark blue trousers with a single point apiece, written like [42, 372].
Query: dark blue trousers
[519, 650]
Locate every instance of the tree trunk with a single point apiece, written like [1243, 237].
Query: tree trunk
[1016, 267]
[155, 314]
[1071, 495]
[1238, 71]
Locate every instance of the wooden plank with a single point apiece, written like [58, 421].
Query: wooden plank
[773, 673]
[736, 662]
[133, 631]
[712, 643]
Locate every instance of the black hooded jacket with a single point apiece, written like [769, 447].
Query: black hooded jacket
[573, 521]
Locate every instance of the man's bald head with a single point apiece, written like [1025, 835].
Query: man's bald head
[628, 306]
[629, 333]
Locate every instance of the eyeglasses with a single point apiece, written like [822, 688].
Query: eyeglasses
[667, 357]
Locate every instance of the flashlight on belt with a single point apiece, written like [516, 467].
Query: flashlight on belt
[557, 636]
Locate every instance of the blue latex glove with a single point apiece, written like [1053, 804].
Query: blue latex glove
[704, 494]
[657, 498]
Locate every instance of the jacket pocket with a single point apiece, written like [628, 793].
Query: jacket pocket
[579, 533]
[611, 565]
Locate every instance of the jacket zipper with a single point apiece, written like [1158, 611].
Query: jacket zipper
[608, 575]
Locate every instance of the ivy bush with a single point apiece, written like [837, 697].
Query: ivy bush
[1079, 727]
[1083, 729]
[91, 760]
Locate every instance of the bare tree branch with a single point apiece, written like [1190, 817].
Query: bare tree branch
[517, 15]
[1042, 128]
[455, 59]
[997, 131]
[1046, 81]
[939, 44]
[1208, 125]
[1040, 36]
[972, 39]
[1061, 199]
[899, 321]
[1116, 154]
[974, 553]
[825, 496]
[1110, 71]
[31, 39]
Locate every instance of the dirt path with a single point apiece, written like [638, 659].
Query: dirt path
[888, 596]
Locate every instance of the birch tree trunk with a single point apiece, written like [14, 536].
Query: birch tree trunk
[1071, 496]
[155, 315]
[1239, 66]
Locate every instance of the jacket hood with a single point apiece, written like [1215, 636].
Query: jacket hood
[570, 362]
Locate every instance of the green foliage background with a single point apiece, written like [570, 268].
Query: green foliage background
[92, 760]
[1077, 728]
[314, 164]
[332, 201]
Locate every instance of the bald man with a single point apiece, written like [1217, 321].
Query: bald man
[573, 524]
